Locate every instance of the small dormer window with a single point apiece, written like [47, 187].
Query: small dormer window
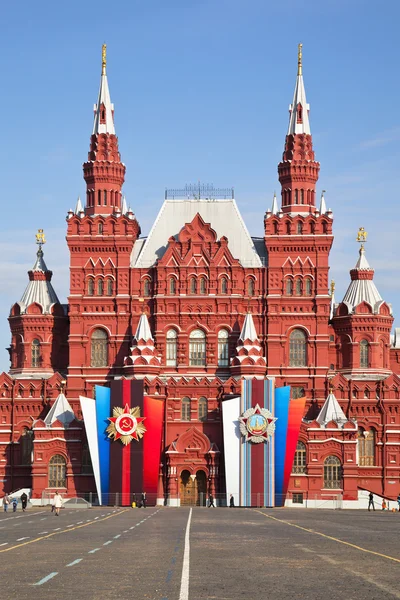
[102, 114]
[299, 113]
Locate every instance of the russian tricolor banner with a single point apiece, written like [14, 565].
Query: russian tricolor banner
[261, 429]
[129, 468]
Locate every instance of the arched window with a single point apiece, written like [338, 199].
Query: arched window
[100, 229]
[308, 287]
[35, 350]
[90, 287]
[171, 347]
[203, 409]
[193, 285]
[366, 447]
[99, 348]
[297, 348]
[296, 197]
[289, 287]
[186, 409]
[224, 285]
[100, 287]
[146, 287]
[202, 285]
[197, 348]
[299, 287]
[364, 354]
[26, 446]
[299, 463]
[105, 197]
[110, 287]
[223, 348]
[332, 473]
[300, 228]
[172, 286]
[87, 468]
[367, 393]
[250, 287]
[57, 472]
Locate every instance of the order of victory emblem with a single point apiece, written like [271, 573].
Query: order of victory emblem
[257, 424]
[126, 425]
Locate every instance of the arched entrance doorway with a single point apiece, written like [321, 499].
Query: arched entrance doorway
[193, 489]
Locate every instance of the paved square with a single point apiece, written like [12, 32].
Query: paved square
[152, 554]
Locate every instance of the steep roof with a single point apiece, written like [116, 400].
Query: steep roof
[143, 331]
[248, 329]
[331, 411]
[299, 121]
[362, 287]
[224, 217]
[39, 288]
[104, 109]
[60, 411]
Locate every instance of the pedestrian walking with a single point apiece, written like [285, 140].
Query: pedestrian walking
[398, 501]
[6, 502]
[24, 501]
[14, 504]
[144, 499]
[211, 501]
[371, 501]
[384, 505]
[57, 503]
[231, 502]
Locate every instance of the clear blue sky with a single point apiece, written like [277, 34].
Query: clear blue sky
[201, 91]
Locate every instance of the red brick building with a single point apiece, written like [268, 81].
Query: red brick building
[191, 309]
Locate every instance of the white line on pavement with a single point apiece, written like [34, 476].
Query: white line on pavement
[93, 551]
[184, 594]
[50, 576]
[24, 538]
[5, 544]
[74, 562]
[106, 543]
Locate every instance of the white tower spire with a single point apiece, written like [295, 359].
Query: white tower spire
[274, 208]
[298, 122]
[322, 206]
[104, 109]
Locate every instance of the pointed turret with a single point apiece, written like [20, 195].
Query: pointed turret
[362, 287]
[299, 109]
[144, 359]
[104, 172]
[331, 411]
[274, 208]
[322, 206]
[39, 324]
[104, 109]
[60, 411]
[298, 170]
[249, 359]
[124, 208]
[79, 208]
[363, 322]
[39, 289]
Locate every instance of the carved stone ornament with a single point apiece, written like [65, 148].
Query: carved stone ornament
[257, 424]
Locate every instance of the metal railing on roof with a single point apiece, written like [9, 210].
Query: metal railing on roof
[197, 191]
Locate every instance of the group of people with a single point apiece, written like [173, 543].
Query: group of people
[384, 503]
[142, 503]
[212, 505]
[7, 500]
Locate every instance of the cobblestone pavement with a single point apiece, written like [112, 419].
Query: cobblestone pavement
[182, 554]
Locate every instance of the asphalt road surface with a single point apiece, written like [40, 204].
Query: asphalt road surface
[182, 554]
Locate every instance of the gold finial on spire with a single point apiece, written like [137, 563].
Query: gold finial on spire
[333, 285]
[103, 59]
[40, 239]
[300, 59]
[362, 237]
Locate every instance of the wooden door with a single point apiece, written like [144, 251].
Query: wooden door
[188, 489]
